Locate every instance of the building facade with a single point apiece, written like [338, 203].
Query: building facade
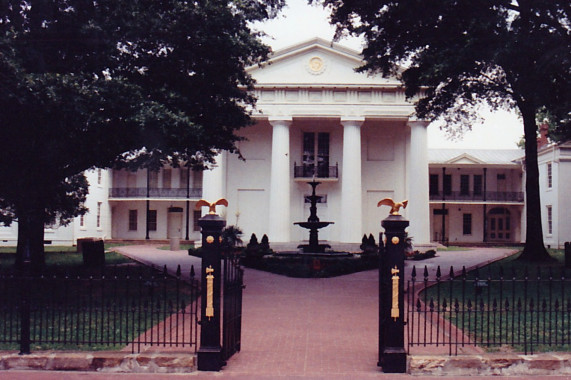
[476, 196]
[554, 162]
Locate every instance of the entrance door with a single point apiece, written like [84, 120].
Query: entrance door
[499, 222]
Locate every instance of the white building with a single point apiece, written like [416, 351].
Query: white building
[476, 196]
[554, 162]
[317, 118]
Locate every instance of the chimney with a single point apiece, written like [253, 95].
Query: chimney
[543, 132]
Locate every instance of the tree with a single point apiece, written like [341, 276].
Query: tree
[455, 54]
[87, 84]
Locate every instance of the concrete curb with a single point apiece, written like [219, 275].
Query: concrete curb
[103, 361]
[505, 364]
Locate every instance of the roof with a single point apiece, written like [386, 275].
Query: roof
[475, 156]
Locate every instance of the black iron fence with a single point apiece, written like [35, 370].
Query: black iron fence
[233, 285]
[317, 171]
[127, 310]
[527, 312]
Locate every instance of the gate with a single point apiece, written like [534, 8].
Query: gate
[233, 277]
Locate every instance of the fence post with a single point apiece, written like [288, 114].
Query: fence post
[392, 354]
[210, 351]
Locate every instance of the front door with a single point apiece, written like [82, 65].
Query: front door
[500, 224]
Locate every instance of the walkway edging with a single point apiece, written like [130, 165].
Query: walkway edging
[103, 361]
[491, 364]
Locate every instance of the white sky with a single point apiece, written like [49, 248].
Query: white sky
[299, 22]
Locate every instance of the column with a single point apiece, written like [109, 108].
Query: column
[214, 184]
[280, 180]
[418, 209]
[351, 220]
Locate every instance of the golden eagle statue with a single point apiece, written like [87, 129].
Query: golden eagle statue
[395, 206]
[211, 206]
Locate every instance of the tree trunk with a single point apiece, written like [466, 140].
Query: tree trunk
[534, 249]
[30, 249]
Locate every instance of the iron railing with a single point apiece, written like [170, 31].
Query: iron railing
[141, 192]
[132, 309]
[491, 196]
[232, 305]
[524, 311]
[319, 171]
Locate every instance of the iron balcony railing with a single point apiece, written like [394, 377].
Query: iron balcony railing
[492, 196]
[319, 171]
[141, 192]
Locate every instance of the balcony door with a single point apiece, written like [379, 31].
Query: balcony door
[316, 154]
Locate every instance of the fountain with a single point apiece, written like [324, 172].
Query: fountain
[313, 224]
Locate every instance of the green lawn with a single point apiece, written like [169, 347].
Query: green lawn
[521, 305]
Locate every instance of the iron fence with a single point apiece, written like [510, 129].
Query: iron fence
[519, 311]
[127, 310]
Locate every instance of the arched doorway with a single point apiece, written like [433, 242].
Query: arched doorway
[500, 226]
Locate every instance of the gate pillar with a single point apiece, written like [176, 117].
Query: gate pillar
[392, 354]
[210, 351]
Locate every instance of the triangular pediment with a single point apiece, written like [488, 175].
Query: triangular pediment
[316, 62]
[465, 159]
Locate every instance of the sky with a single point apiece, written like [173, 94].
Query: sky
[299, 22]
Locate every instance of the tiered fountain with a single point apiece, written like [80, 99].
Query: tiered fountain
[313, 224]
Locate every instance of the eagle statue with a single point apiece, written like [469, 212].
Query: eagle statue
[211, 206]
[395, 206]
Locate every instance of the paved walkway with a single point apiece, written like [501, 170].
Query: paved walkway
[316, 328]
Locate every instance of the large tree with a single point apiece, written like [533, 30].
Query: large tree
[456, 54]
[87, 83]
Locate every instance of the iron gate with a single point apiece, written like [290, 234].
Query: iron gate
[233, 277]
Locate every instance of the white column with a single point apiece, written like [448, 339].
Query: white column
[418, 209]
[351, 220]
[280, 180]
[213, 183]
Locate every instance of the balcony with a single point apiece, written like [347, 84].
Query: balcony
[488, 196]
[319, 171]
[141, 192]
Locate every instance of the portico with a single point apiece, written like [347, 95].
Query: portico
[317, 118]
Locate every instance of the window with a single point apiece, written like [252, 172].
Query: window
[195, 216]
[99, 214]
[316, 154]
[99, 176]
[153, 179]
[152, 220]
[167, 175]
[549, 220]
[82, 221]
[183, 177]
[133, 218]
[447, 185]
[477, 184]
[501, 176]
[467, 224]
[433, 184]
[464, 184]
[549, 175]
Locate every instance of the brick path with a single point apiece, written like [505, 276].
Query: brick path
[314, 327]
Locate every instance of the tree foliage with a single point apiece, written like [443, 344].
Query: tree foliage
[88, 84]
[455, 54]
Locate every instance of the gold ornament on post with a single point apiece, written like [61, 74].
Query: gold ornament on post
[211, 206]
[395, 304]
[209, 292]
[395, 206]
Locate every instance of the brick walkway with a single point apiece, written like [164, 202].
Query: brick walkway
[314, 328]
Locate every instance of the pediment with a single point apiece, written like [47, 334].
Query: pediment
[465, 159]
[316, 62]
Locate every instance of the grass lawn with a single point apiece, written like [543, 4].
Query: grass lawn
[509, 303]
[74, 307]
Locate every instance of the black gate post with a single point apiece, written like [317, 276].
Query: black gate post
[392, 354]
[210, 351]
